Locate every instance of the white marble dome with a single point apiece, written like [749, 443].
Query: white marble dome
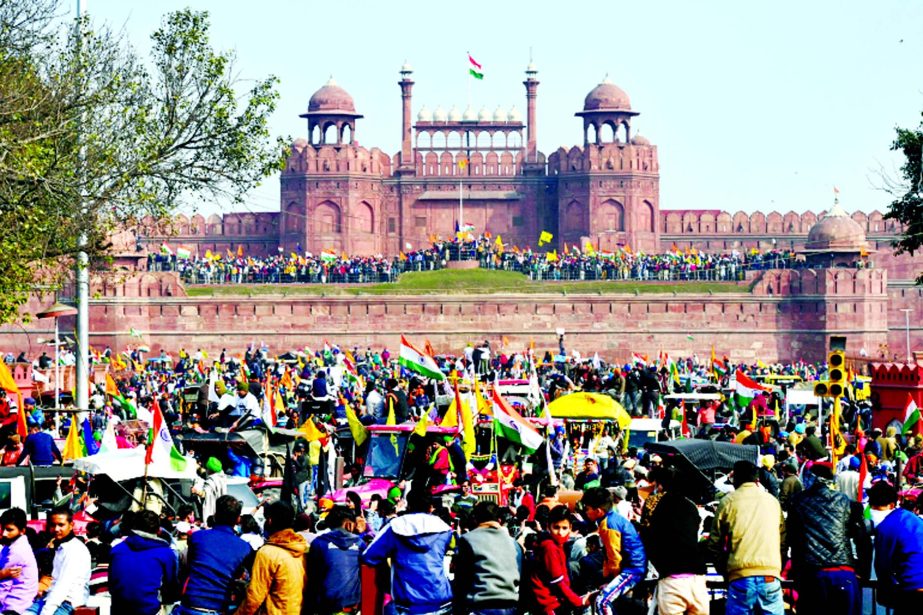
[513, 115]
[439, 114]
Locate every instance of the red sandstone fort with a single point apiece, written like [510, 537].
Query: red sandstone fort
[336, 194]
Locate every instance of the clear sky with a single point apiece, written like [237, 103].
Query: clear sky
[753, 105]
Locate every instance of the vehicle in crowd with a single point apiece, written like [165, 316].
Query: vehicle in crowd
[394, 453]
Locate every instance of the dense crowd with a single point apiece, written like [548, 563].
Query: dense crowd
[570, 264]
[587, 523]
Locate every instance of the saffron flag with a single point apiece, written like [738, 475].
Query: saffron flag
[418, 362]
[474, 68]
[911, 416]
[9, 385]
[73, 448]
[509, 424]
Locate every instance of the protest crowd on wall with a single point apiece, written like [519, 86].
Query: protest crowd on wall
[570, 263]
[455, 471]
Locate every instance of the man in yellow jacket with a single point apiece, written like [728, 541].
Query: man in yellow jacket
[748, 533]
[278, 577]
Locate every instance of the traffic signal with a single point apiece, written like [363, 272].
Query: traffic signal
[821, 389]
[836, 373]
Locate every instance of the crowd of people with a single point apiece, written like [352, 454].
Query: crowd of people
[587, 523]
[572, 263]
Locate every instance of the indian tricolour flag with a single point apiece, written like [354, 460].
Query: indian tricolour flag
[509, 424]
[160, 449]
[474, 68]
[911, 416]
[745, 389]
[328, 256]
[418, 362]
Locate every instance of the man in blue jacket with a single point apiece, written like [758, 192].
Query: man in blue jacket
[216, 558]
[626, 560]
[39, 448]
[416, 543]
[898, 555]
[333, 564]
[144, 571]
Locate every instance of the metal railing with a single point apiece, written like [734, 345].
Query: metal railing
[536, 267]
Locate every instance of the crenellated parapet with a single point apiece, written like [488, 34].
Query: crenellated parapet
[717, 222]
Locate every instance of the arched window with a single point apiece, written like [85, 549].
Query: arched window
[327, 218]
[591, 135]
[365, 218]
[607, 133]
[612, 216]
[573, 218]
[346, 136]
[330, 134]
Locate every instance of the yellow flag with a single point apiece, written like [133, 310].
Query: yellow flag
[422, 424]
[761, 365]
[451, 416]
[552, 256]
[588, 248]
[544, 238]
[359, 431]
[392, 420]
[72, 449]
[310, 432]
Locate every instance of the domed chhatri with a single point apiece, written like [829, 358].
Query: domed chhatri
[836, 232]
[836, 240]
[331, 98]
[607, 97]
[331, 116]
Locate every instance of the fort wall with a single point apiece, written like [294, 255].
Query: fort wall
[788, 315]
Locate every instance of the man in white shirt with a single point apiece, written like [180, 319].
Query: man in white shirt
[238, 409]
[70, 576]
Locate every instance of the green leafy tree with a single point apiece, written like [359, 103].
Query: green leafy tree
[907, 207]
[92, 139]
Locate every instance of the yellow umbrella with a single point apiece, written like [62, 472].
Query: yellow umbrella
[589, 406]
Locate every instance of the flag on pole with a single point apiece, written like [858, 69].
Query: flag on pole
[474, 68]
[418, 362]
[9, 385]
[73, 449]
[89, 442]
[160, 447]
[509, 424]
[911, 416]
[359, 431]
[745, 389]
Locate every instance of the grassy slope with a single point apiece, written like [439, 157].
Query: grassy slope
[470, 281]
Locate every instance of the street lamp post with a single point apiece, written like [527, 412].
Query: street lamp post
[56, 311]
[906, 312]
